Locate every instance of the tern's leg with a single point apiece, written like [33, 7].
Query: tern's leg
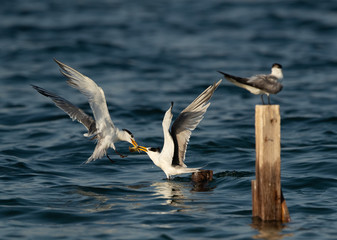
[262, 99]
[121, 155]
[112, 161]
[269, 100]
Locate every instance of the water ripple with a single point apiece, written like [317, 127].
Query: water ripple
[145, 54]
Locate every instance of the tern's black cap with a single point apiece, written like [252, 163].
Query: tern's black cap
[277, 65]
[128, 132]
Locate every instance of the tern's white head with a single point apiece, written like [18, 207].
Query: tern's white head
[153, 153]
[276, 70]
[127, 136]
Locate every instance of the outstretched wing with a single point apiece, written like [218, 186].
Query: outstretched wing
[92, 91]
[74, 112]
[187, 121]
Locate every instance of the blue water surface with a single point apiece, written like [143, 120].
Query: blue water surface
[145, 54]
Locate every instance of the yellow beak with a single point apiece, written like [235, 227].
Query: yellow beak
[141, 148]
[134, 143]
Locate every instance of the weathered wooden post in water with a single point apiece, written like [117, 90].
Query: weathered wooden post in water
[267, 197]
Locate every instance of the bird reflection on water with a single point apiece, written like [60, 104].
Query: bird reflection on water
[171, 192]
[177, 192]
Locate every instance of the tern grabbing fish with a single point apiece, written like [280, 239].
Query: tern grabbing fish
[102, 128]
[171, 158]
[260, 84]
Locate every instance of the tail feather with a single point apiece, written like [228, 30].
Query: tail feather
[187, 170]
[99, 152]
[234, 79]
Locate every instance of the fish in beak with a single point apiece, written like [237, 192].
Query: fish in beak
[137, 149]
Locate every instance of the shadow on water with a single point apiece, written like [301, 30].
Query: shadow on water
[271, 230]
[236, 174]
[205, 186]
[98, 200]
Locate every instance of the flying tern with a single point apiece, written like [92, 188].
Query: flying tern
[260, 84]
[172, 156]
[101, 127]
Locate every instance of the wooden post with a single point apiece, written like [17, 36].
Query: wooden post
[266, 189]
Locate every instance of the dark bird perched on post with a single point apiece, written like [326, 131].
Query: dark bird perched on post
[260, 84]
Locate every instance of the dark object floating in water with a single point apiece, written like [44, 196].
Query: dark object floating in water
[202, 176]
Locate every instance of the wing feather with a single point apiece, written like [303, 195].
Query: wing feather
[92, 91]
[168, 147]
[235, 79]
[187, 121]
[74, 112]
[267, 83]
